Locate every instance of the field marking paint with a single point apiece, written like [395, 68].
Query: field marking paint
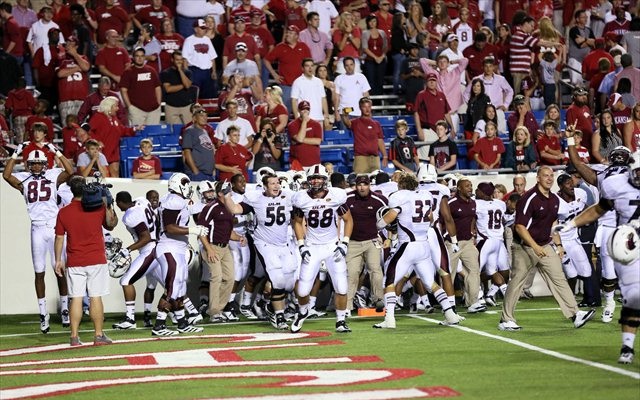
[538, 349]
[287, 379]
[382, 394]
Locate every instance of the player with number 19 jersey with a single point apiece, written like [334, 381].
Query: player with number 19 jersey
[490, 222]
[321, 214]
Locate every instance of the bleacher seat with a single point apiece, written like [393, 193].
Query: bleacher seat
[337, 137]
[132, 142]
[156, 130]
[335, 156]
[169, 143]
[176, 128]
[171, 162]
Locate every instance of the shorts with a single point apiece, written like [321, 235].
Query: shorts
[92, 280]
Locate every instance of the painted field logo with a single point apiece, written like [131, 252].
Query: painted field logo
[213, 357]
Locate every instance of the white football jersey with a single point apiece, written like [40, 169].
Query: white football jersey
[386, 188]
[438, 191]
[610, 217]
[414, 208]
[174, 210]
[139, 218]
[40, 194]
[321, 214]
[625, 197]
[490, 218]
[240, 221]
[272, 216]
[64, 195]
[569, 210]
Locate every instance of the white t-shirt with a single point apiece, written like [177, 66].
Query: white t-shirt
[311, 90]
[351, 88]
[246, 130]
[199, 52]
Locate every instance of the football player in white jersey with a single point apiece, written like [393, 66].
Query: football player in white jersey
[319, 207]
[621, 192]
[140, 220]
[39, 187]
[272, 208]
[171, 254]
[412, 209]
[490, 226]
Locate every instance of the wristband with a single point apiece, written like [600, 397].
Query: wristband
[300, 242]
[454, 239]
[346, 239]
[571, 141]
[14, 156]
[58, 154]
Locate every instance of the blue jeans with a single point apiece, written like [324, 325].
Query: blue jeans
[398, 59]
[184, 26]
[286, 96]
[264, 75]
[491, 24]
[375, 75]
[549, 94]
[202, 79]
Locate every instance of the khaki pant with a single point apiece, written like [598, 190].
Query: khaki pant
[518, 77]
[177, 115]
[221, 283]
[366, 164]
[550, 268]
[359, 253]
[470, 258]
[139, 117]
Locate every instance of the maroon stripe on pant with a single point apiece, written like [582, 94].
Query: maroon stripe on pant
[444, 254]
[390, 273]
[142, 271]
[171, 274]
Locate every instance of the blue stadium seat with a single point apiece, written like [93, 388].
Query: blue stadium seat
[462, 150]
[132, 142]
[336, 156]
[166, 175]
[176, 129]
[126, 153]
[171, 163]
[156, 130]
[337, 137]
[169, 142]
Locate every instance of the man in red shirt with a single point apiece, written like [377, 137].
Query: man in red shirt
[368, 139]
[591, 60]
[289, 54]
[111, 16]
[91, 103]
[305, 135]
[152, 15]
[240, 35]
[73, 79]
[141, 91]
[12, 40]
[113, 59]
[86, 264]
[431, 106]
[579, 115]
[476, 54]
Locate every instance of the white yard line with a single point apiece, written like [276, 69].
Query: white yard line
[538, 349]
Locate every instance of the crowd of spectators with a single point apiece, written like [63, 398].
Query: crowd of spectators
[277, 68]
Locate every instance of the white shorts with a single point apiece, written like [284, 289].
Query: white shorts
[493, 256]
[279, 263]
[410, 256]
[92, 280]
[173, 269]
[629, 282]
[309, 270]
[42, 242]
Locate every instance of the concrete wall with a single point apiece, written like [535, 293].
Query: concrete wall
[17, 293]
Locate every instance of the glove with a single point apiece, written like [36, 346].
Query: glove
[304, 252]
[565, 227]
[199, 230]
[341, 251]
[18, 152]
[51, 147]
[124, 252]
[455, 248]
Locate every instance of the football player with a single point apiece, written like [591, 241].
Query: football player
[412, 209]
[171, 251]
[39, 186]
[621, 192]
[153, 197]
[319, 207]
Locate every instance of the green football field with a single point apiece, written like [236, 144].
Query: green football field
[549, 359]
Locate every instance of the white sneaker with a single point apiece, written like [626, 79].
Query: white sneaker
[607, 312]
[490, 301]
[386, 324]
[230, 316]
[476, 308]
[190, 329]
[582, 317]
[626, 355]
[248, 313]
[161, 330]
[313, 313]
[217, 319]
[44, 323]
[125, 324]
[193, 319]
[509, 326]
[296, 325]
[66, 321]
[451, 318]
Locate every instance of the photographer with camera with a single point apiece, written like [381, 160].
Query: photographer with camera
[86, 268]
[267, 146]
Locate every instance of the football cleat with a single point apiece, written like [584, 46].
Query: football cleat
[147, 319]
[102, 340]
[66, 321]
[626, 355]
[75, 341]
[607, 312]
[203, 307]
[386, 324]
[509, 326]
[127, 323]
[342, 327]
[186, 328]
[413, 308]
[289, 313]
[296, 325]
[490, 301]
[476, 308]
[230, 316]
[44, 323]
[258, 309]
[279, 322]
[582, 317]
[217, 319]
[429, 309]
[451, 318]
[193, 319]
[248, 313]
[161, 330]
[313, 313]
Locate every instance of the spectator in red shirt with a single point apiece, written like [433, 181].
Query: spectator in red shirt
[368, 139]
[521, 116]
[548, 145]
[73, 79]
[111, 16]
[147, 166]
[45, 62]
[488, 150]
[579, 115]
[305, 136]
[232, 158]
[39, 142]
[153, 15]
[91, 103]
[592, 60]
[113, 59]
[141, 91]
[39, 116]
[62, 16]
[73, 138]
[476, 54]
[240, 35]
[170, 41]
[12, 39]
[431, 106]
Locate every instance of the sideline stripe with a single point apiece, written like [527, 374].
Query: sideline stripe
[551, 353]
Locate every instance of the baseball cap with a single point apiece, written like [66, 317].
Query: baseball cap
[241, 46]
[487, 188]
[600, 41]
[293, 28]
[489, 60]
[580, 91]
[239, 18]
[614, 98]
[199, 23]
[442, 55]
[363, 179]
[304, 105]
[452, 37]
[199, 111]
[518, 99]
[432, 77]
[562, 178]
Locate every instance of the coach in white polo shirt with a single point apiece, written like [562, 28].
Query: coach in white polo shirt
[308, 87]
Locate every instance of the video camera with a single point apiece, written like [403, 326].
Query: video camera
[93, 193]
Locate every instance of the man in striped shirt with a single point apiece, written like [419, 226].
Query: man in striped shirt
[521, 46]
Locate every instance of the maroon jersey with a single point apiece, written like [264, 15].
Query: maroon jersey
[230, 42]
[169, 44]
[363, 211]
[115, 59]
[141, 83]
[463, 213]
[263, 38]
[74, 86]
[537, 213]
[306, 154]
[219, 221]
[150, 15]
[110, 18]
[142, 165]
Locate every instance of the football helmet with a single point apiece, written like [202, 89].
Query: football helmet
[119, 264]
[624, 244]
[317, 171]
[37, 157]
[634, 169]
[112, 246]
[427, 173]
[283, 177]
[192, 257]
[262, 172]
[620, 156]
[180, 183]
[206, 191]
[297, 180]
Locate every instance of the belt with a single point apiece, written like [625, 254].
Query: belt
[221, 244]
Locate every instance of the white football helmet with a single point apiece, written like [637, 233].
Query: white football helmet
[192, 257]
[206, 191]
[317, 171]
[297, 180]
[283, 177]
[37, 157]
[118, 265]
[262, 172]
[634, 169]
[620, 156]
[427, 173]
[180, 183]
[112, 246]
[624, 244]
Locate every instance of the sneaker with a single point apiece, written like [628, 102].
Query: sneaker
[127, 323]
[258, 309]
[248, 313]
[102, 340]
[280, 323]
[66, 321]
[386, 324]
[194, 318]
[490, 301]
[313, 313]
[582, 317]
[607, 312]
[429, 309]
[230, 316]
[342, 327]
[289, 313]
[476, 308]
[451, 318]
[296, 325]
[147, 319]
[161, 330]
[626, 355]
[359, 301]
[186, 328]
[509, 326]
[75, 341]
[217, 319]
[44, 323]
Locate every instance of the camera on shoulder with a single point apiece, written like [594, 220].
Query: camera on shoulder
[92, 195]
